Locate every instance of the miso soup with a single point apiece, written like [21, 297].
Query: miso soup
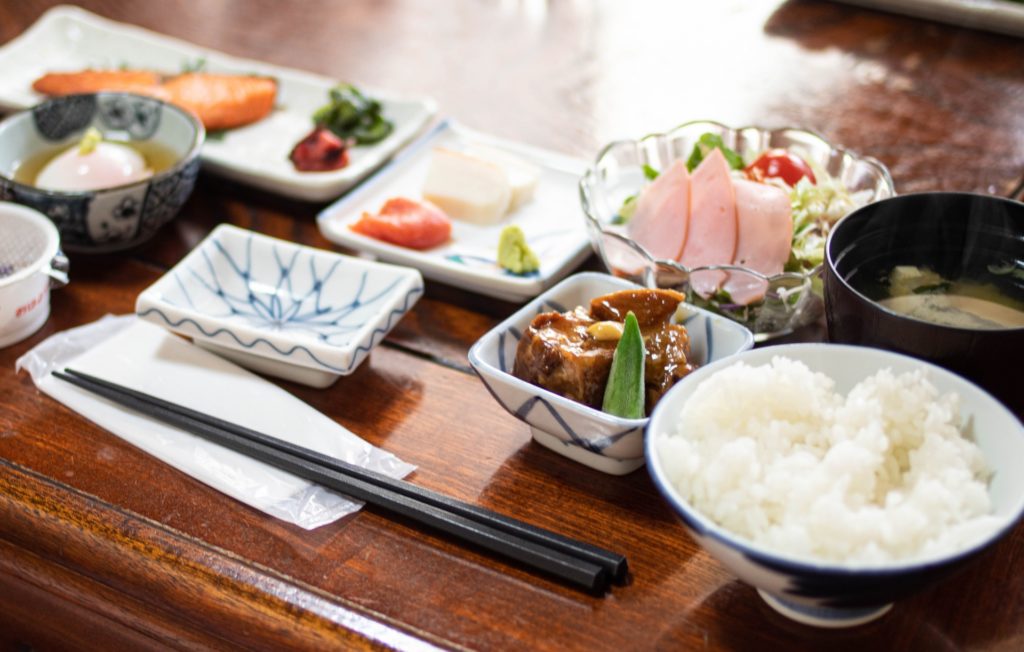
[963, 303]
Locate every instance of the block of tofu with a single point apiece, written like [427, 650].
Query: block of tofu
[522, 176]
[467, 187]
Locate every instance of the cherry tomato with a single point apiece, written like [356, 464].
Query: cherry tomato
[779, 164]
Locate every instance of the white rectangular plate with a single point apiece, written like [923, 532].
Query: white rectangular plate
[551, 221]
[68, 39]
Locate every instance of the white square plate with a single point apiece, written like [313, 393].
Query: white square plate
[284, 309]
[552, 221]
[68, 39]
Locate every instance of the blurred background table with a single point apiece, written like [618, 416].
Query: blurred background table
[101, 545]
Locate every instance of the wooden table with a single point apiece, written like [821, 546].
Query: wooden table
[101, 545]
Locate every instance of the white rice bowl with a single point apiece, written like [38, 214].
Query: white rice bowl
[773, 454]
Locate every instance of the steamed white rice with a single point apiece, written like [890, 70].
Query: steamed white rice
[775, 455]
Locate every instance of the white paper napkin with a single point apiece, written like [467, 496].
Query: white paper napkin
[145, 357]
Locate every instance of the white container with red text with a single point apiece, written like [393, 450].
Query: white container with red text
[31, 263]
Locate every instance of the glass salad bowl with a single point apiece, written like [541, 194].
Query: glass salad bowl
[787, 300]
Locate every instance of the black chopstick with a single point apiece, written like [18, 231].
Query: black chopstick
[574, 562]
[614, 563]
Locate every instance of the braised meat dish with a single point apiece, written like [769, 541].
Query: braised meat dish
[571, 353]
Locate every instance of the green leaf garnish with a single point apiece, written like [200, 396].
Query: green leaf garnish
[195, 65]
[703, 147]
[624, 393]
[933, 288]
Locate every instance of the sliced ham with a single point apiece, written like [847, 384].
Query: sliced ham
[662, 214]
[712, 228]
[765, 231]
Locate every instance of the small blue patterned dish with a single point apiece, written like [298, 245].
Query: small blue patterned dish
[599, 440]
[280, 308]
[109, 219]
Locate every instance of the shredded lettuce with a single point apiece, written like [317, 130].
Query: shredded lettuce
[816, 207]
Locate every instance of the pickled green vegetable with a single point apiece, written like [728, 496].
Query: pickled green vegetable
[352, 115]
[624, 393]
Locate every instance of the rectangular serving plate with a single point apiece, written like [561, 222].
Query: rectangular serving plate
[552, 221]
[70, 39]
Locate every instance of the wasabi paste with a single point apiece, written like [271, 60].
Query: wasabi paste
[513, 252]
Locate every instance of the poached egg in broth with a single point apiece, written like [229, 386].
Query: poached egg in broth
[94, 164]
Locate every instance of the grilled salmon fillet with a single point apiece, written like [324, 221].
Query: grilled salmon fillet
[220, 101]
[93, 81]
[223, 101]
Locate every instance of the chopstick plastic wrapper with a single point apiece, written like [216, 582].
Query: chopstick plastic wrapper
[576, 563]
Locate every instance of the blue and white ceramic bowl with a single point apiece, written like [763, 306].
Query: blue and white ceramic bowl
[280, 308]
[832, 594]
[599, 440]
[110, 219]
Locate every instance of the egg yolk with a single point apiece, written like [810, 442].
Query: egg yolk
[105, 166]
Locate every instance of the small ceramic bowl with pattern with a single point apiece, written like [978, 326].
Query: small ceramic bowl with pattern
[109, 169]
[279, 308]
[599, 440]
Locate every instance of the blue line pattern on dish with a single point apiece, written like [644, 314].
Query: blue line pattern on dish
[502, 363]
[594, 446]
[486, 261]
[356, 356]
[550, 305]
[471, 260]
[285, 289]
[284, 307]
[503, 344]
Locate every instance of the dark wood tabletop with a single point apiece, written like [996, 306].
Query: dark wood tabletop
[102, 545]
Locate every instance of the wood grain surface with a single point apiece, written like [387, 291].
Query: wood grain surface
[103, 546]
